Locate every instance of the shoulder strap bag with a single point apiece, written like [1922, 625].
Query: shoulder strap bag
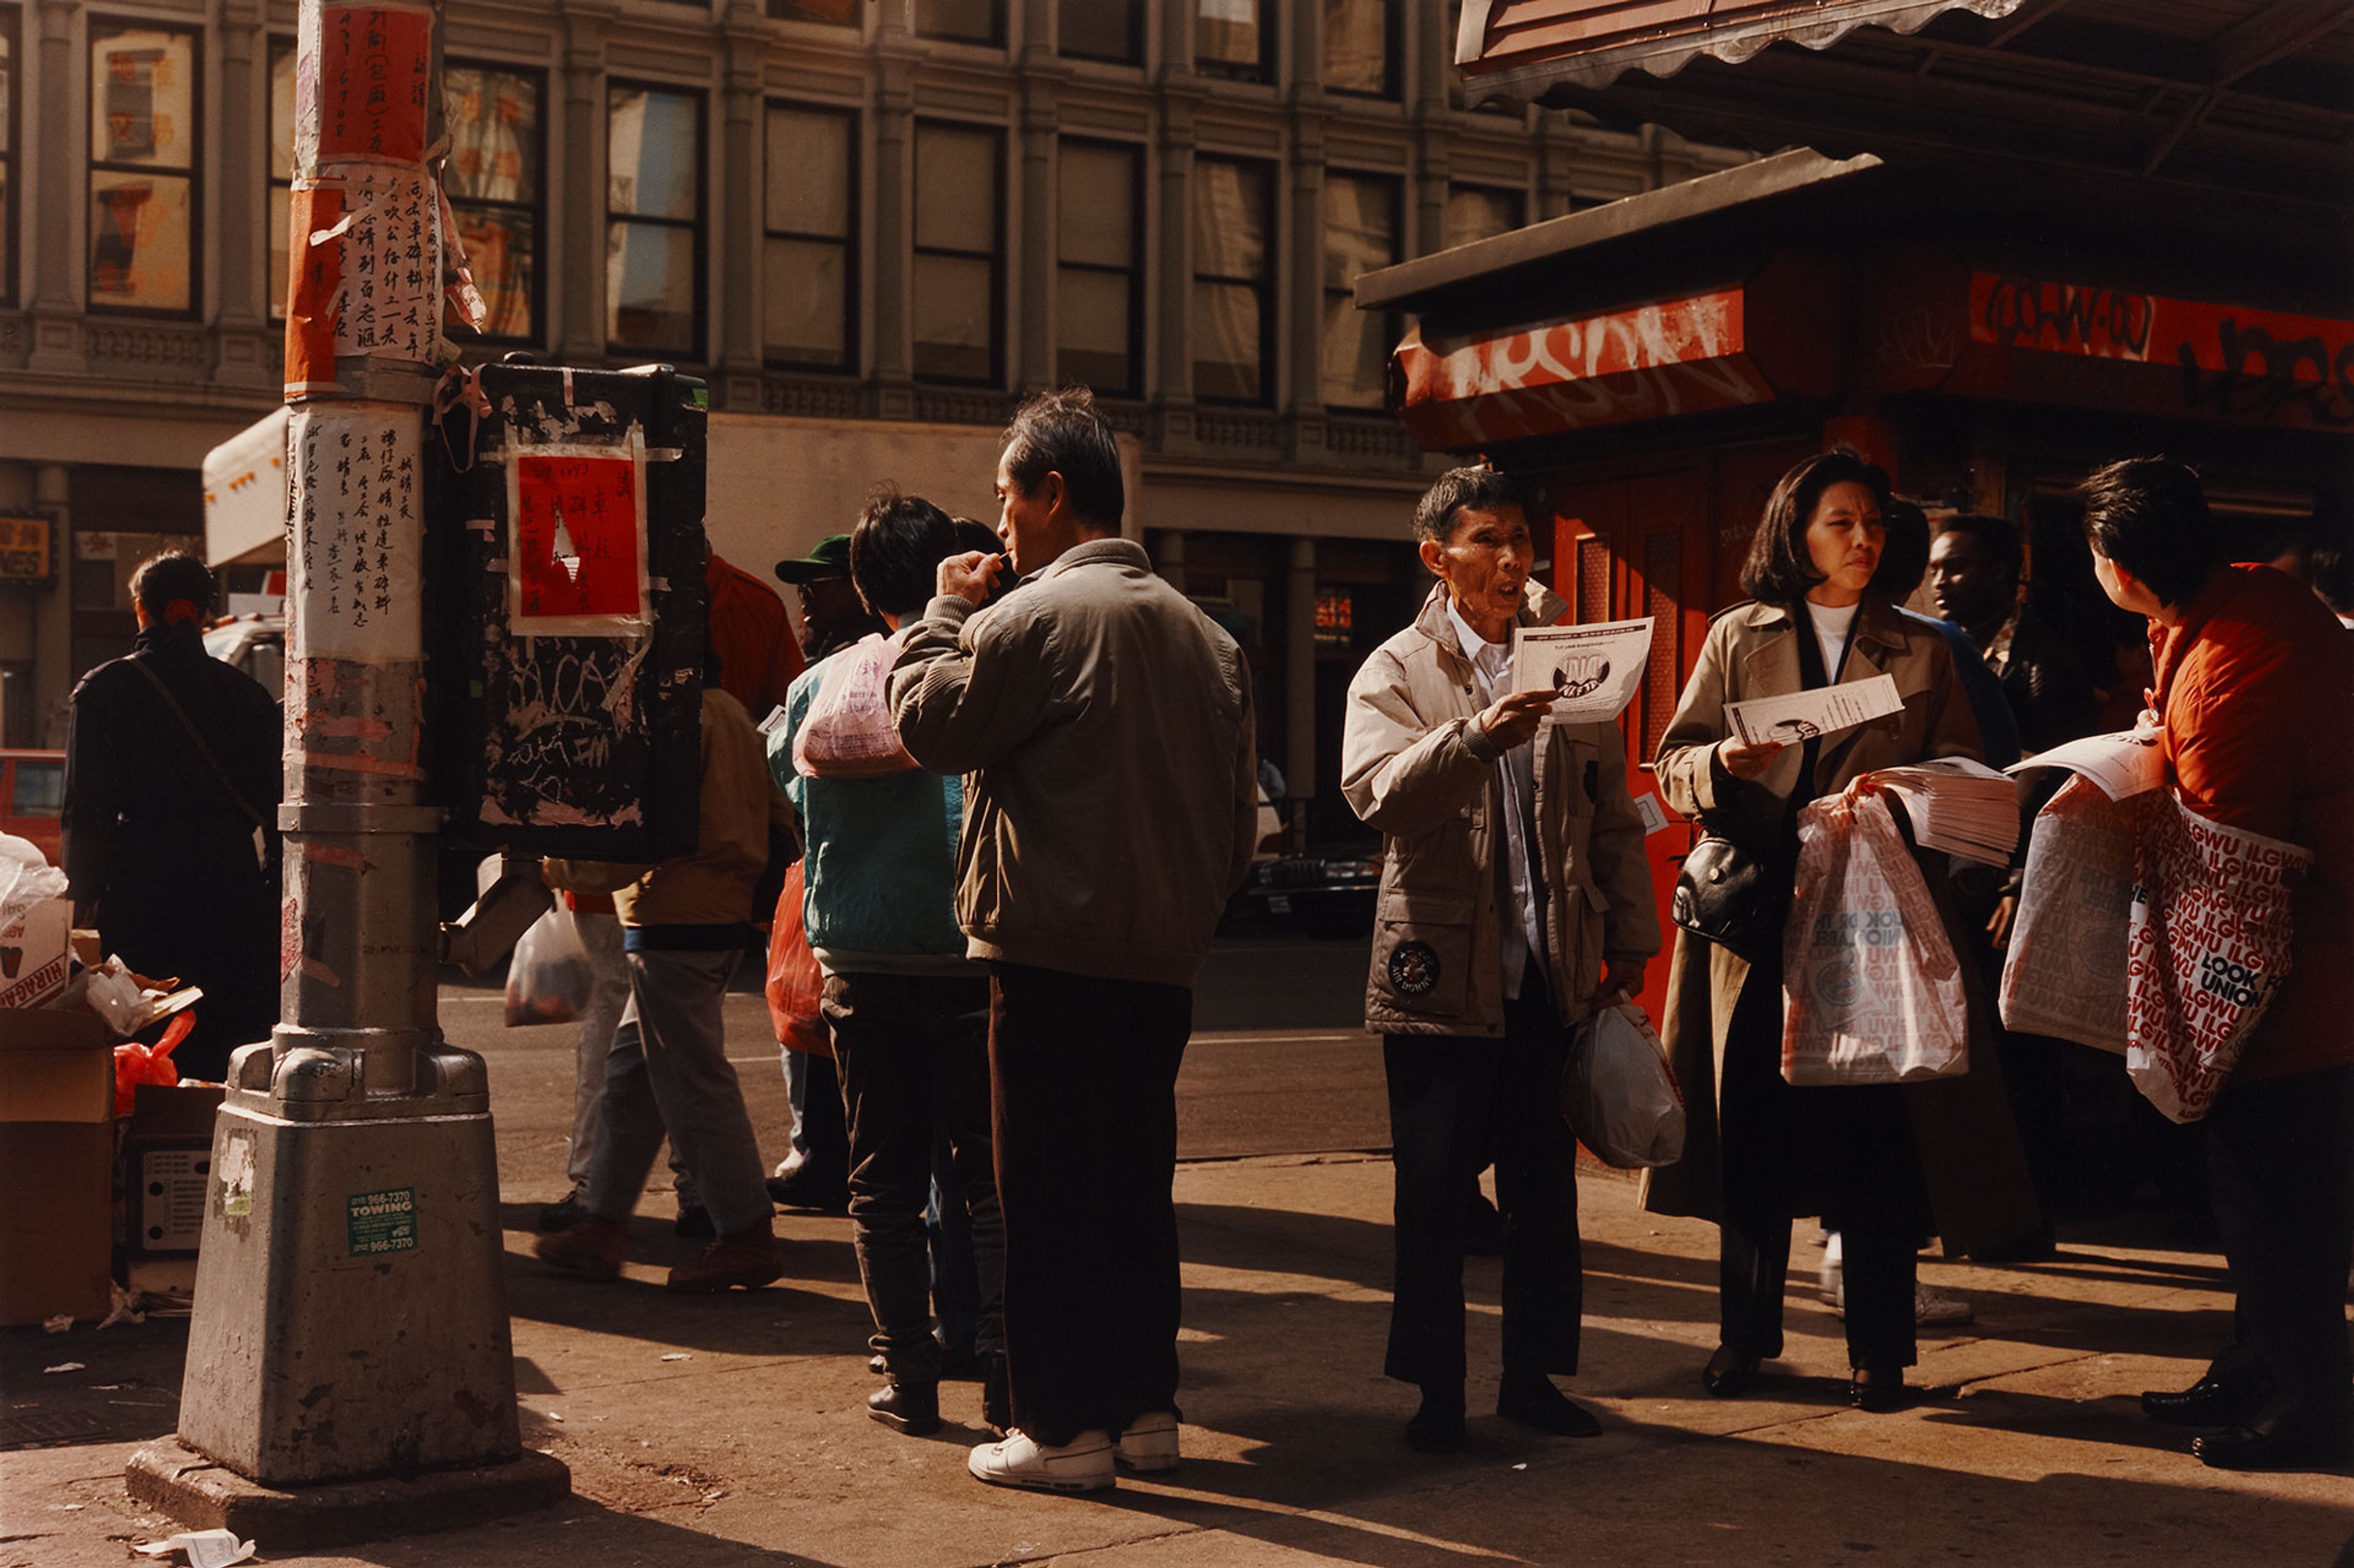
[205, 750]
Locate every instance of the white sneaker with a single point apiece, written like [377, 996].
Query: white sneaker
[1149, 1443]
[1834, 1275]
[1082, 1465]
[1934, 1308]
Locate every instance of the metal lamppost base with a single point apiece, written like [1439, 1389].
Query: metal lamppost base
[201, 1494]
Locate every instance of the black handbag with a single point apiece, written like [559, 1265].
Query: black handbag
[1731, 896]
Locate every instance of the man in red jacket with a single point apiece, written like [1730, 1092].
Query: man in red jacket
[2254, 692]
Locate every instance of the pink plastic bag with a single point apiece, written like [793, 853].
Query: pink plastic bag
[847, 732]
[2207, 950]
[1870, 994]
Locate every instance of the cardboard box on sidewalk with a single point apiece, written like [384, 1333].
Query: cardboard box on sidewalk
[56, 1165]
[33, 954]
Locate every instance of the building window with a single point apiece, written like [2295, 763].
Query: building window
[1103, 31]
[493, 181]
[1476, 212]
[1360, 46]
[1233, 322]
[810, 256]
[142, 163]
[1231, 39]
[1361, 234]
[1098, 308]
[10, 36]
[963, 21]
[281, 172]
[653, 220]
[959, 254]
[10, 33]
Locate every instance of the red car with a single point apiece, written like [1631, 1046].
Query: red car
[32, 796]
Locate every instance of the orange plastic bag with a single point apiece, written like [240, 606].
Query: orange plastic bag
[795, 981]
[135, 1064]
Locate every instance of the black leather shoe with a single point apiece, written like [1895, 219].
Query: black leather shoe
[815, 1190]
[1727, 1375]
[2289, 1447]
[1880, 1393]
[1438, 1427]
[563, 1213]
[912, 1408]
[2206, 1402]
[1533, 1400]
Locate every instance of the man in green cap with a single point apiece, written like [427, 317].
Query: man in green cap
[832, 617]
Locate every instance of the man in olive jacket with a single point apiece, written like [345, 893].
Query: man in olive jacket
[1515, 900]
[1103, 724]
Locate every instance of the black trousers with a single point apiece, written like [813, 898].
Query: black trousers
[1453, 1101]
[1845, 1153]
[912, 1054]
[2280, 1155]
[1085, 1078]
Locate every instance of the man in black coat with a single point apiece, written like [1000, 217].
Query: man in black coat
[171, 787]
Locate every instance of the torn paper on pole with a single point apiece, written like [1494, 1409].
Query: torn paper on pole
[2125, 764]
[1592, 670]
[1804, 716]
[355, 579]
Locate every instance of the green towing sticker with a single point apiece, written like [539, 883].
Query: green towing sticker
[382, 1222]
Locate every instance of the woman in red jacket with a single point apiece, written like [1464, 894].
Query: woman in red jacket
[2255, 692]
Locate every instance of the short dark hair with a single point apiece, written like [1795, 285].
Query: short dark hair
[1480, 489]
[895, 551]
[164, 580]
[1778, 571]
[2149, 516]
[1903, 550]
[1061, 432]
[972, 534]
[1998, 538]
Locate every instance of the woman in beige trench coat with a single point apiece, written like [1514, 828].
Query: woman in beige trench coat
[1883, 1163]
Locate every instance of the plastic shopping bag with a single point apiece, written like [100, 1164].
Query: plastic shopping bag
[549, 977]
[2207, 949]
[796, 984]
[1871, 994]
[847, 732]
[2065, 973]
[1618, 1093]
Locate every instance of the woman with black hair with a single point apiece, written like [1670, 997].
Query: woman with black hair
[1761, 1151]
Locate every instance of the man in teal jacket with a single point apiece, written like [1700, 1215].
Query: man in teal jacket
[907, 1011]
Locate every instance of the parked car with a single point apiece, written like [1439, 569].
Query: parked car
[254, 644]
[33, 797]
[1324, 890]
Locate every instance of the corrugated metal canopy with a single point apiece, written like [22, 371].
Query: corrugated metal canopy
[2251, 97]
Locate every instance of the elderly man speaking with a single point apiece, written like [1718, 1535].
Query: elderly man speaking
[1515, 900]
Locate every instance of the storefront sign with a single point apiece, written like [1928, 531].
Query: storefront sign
[25, 557]
[1335, 618]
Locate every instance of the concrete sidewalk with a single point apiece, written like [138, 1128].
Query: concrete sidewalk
[730, 1430]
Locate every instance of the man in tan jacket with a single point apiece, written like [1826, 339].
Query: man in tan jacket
[1515, 900]
[1103, 724]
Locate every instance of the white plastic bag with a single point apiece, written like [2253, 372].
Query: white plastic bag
[27, 878]
[1871, 991]
[2207, 950]
[1619, 1094]
[847, 732]
[2065, 972]
[549, 977]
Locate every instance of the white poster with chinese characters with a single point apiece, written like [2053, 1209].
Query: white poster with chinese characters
[355, 578]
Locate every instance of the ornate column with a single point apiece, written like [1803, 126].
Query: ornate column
[894, 228]
[580, 227]
[1037, 231]
[1299, 673]
[735, 357]
[56, 293]
[245, 273]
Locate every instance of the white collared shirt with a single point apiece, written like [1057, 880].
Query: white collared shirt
[1522, 932]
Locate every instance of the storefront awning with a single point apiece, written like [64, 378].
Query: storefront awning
[1521, 47]
[245, 496]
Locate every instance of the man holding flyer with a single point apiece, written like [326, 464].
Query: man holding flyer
[1515, 901]
[2255, 701]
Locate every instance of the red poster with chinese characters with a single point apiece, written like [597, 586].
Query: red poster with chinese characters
[579, 544]
[373, 74]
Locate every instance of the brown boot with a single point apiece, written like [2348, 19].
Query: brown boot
[591, 1247]
[747, 1258]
